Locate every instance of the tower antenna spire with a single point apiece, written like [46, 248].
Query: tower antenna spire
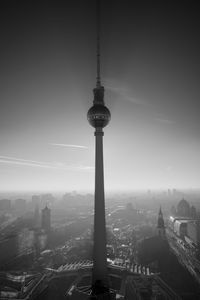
[98, 30]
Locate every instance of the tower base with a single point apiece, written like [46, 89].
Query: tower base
[99, 290]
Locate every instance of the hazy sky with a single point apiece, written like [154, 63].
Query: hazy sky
[150, 70]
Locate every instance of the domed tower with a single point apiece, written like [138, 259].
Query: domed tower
[161, 224]
[99, 116]
[183, 208]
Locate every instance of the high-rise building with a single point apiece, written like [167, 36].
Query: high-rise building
[46, 219]
[20, 206]
[36, 199]
[37, 221]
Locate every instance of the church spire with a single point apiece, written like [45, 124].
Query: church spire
[161, 224]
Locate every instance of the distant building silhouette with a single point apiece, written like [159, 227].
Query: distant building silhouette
[37, 221]
[46, 219]
[36, 199]
[20, 206]
[183, 209]
[173, 211]
[46, 199]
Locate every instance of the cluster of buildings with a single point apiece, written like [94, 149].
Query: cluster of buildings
[17, 206]
[24, 237]
[18, 241]
[185, 223]
[20, 206]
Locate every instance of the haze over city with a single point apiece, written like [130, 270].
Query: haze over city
[150, 66]
[99, 156]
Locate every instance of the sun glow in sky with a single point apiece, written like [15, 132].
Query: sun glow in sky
[150, 74]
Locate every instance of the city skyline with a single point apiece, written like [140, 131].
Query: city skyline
[150, 58]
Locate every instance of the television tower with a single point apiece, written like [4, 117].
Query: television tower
[98, 117]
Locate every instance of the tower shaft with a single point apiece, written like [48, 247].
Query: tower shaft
[99, 251]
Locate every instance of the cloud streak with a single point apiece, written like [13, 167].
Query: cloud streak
[69, 146]
[122, 91]
[40, 164]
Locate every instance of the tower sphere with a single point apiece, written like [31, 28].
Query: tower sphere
[98, 116]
